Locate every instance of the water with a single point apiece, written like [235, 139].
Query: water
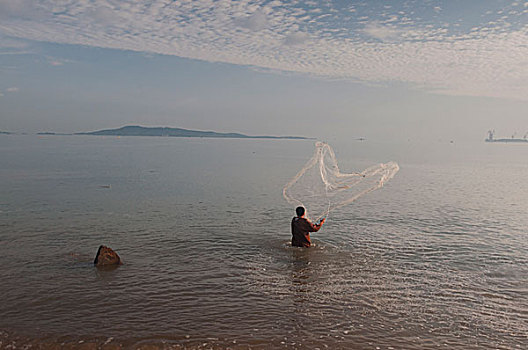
[436, 259]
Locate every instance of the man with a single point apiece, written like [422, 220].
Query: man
[301, 228]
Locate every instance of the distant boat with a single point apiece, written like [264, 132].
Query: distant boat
[491, 134]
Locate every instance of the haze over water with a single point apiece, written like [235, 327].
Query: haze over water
[438, 258]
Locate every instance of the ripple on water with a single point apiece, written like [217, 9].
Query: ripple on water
[432, 261]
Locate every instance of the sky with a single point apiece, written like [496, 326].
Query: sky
[326, 69]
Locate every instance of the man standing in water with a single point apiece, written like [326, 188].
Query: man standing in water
[301, 228]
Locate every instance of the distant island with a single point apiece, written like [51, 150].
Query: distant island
[133, 130]
[5, 132]
[52, 133]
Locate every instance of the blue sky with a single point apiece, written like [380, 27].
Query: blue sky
[330, 68]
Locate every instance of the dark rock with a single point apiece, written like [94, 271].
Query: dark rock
[106, 256]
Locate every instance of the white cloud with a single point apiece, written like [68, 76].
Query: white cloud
[296, 38]
[256, 21]
[9, 90]
[56, 62]
[103, 14]
[26, 9]
[488, 61]
[12, 43]
[11, 46]
[381, 32]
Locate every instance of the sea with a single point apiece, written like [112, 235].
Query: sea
[436, 259]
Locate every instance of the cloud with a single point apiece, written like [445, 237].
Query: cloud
[56, 62]
[9, 90]
[381, 32]
[103, 14]
[373, 44]
[13, 8]
[12, 43]
[25, 9]
[296, 38]
[12, 46]
[256, 21]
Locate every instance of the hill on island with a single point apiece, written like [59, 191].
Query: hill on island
[133, 130]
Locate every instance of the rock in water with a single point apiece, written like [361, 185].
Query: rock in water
[106, 256]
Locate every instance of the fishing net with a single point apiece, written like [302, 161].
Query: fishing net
[320, 187]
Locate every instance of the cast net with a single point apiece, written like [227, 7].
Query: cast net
[320, 187]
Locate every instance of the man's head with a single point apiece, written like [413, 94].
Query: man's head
[299, 211]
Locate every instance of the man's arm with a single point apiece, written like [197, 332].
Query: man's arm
[317, 227]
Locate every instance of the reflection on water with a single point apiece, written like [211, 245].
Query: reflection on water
[301, 276]
[438, 258]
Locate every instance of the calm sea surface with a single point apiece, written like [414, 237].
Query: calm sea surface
[436, 259]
